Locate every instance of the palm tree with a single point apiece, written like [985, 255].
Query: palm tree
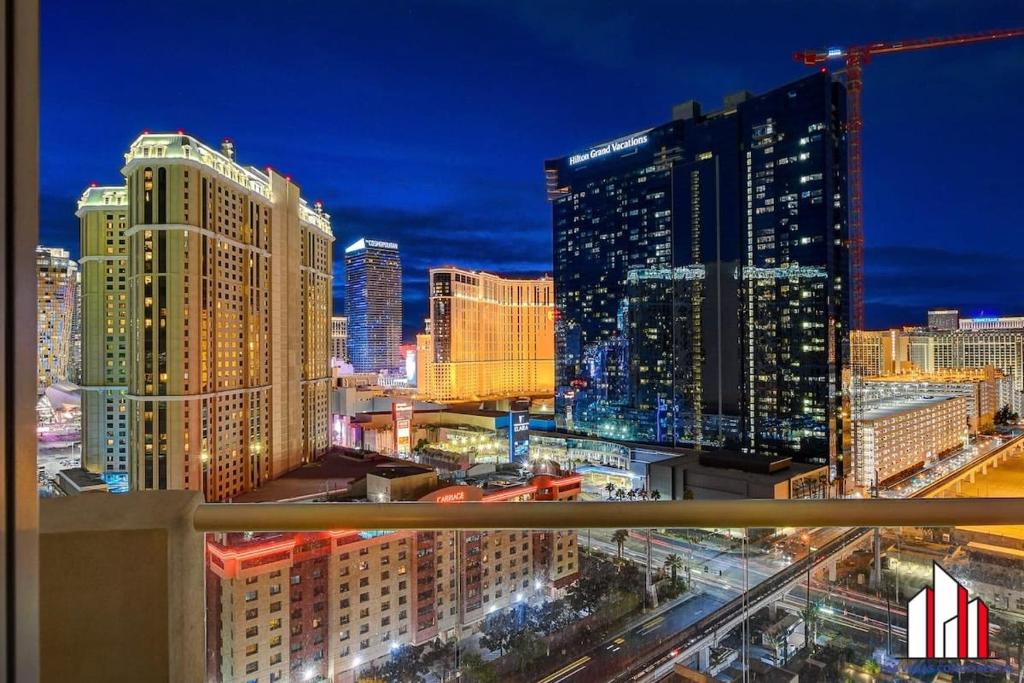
[610, 488]
[673, 563]
[620, 536]
[1015, 637]
[655, 494]
[810, 615]
[774, 641]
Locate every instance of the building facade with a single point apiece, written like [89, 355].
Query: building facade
[961, 349]
[323, 606]
[992, 323]
[899, 437]
[339, 339]
[56, 293]
[878, 353]
[983, 390]
[103, 219]
[943, 319]
[373, 305]
[490, 337]
[228, 308]
[701, 277]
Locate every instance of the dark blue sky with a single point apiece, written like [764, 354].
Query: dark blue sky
[428, 122]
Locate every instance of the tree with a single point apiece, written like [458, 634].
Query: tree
[1005, 415]
[673, 563]
[655, 494]
[619, 537]
[553, 616]
[476, 670]
[610, 488]
[372, 674]
[440, 657]
[408, 664]
[586, 594]
[1015, 637]
[525, 648]
[775, 642]
[810, 615]
[500, 632]
[688, 494]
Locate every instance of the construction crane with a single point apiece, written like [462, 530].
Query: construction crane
[855, 58]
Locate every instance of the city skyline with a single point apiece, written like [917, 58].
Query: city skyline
[438, 340]
[462, 177]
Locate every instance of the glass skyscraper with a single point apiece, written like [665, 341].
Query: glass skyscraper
[373, 305]
[701, 273]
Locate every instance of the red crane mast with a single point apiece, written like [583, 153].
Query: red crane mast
[854, 58]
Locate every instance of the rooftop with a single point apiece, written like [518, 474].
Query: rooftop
[97, 198]
[399, 471]
[183, 146]
[906, 405]
[80, 480]
[334, 472]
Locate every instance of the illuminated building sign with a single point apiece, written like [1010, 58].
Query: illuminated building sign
[401, 412]
[375, 244]
[455, 494]
[456, 497]
[519, 436]
[621, 145]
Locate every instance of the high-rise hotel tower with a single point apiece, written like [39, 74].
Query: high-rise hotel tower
[701, 276]
[228, 291]
[56, 293]
[489, 336]
[103, 217]
[373, 305]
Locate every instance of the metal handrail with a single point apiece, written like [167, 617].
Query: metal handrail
[930, 512]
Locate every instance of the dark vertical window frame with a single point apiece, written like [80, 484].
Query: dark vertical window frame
[19, 630]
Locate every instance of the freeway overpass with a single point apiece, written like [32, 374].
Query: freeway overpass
[698, 638]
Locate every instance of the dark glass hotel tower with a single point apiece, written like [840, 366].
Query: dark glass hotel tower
[701, 272]
[373, 305]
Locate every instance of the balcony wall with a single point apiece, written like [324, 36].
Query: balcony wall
[121, 588]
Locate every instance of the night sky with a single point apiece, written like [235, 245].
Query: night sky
[428, 123]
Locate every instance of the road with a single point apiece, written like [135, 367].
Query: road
[617, 652]
[765, 574]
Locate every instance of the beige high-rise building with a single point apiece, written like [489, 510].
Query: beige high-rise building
[339, 339]
[950, 350]
[488, 336]
[103, 217]
[57, 278]
[228, 308]
[878, 353]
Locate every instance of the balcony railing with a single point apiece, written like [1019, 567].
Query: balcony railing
[137, 569]
[738, 514]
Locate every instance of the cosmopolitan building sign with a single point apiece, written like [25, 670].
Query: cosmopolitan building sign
[620, 145]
